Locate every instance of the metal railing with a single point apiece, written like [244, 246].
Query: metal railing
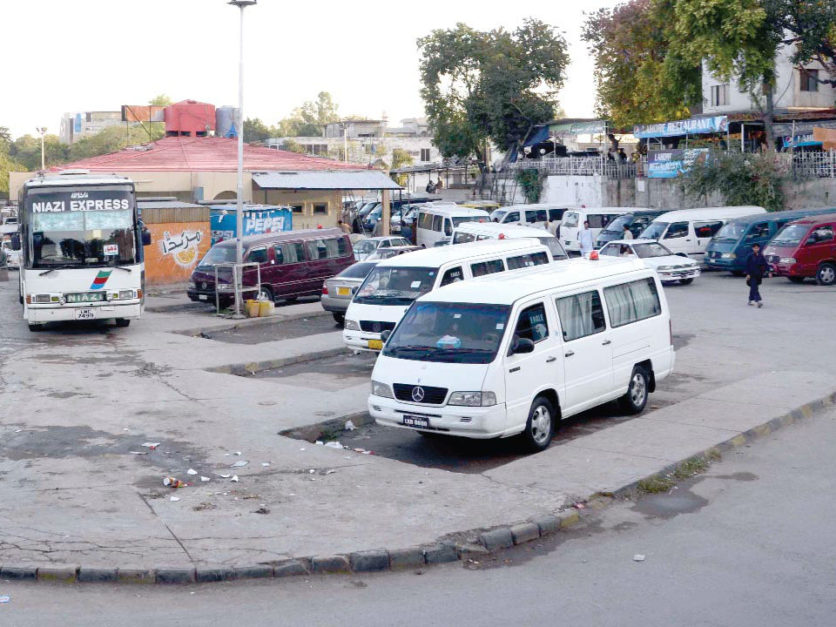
[814, 165]
[579, 166]
[238, 288]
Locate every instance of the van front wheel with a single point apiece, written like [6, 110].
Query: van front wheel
[826, 274]
[636, 398]
[539, 428]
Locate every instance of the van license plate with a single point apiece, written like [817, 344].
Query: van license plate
[202, 297]
[376, 345]
[416, 421]
[84, 314]
[343, 291]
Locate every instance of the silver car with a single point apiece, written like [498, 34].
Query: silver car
[338, 291]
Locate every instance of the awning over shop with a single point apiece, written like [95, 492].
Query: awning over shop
[325, 179]
[595, 127]
[679, 128]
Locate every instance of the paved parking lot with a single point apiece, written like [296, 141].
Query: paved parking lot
[79, 403]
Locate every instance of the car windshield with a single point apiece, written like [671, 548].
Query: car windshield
[366, 246]
[617, 225]
[554, 246]
[790, 235]
[218, 255]
[395, 285]
[463, 333]
[654, 231]
[647, 251]
[730, 232]
[357, 271]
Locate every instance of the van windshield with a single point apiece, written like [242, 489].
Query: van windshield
[570, 218]
[617, 225]
[790, 235]
[730, 232]
[654, 231]
[462, 238]
[395, 285]
[461, 333]
[554, 246]
[218, 255]
[463, 219]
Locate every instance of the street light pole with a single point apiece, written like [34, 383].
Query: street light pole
[239, 207]
[42, 131]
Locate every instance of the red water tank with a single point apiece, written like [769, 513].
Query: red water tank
[189, 118]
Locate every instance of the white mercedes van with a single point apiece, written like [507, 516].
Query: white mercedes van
[598, 218]
[436, 221]
[514, 354]
[688, 231]
[382, 299]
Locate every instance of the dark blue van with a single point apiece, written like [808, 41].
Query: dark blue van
[732, 244]
[635, 221]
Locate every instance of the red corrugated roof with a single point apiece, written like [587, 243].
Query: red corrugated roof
[202, 154]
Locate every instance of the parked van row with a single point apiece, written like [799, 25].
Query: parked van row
[805, 248]
[515, 353]
[479, 231]
[392, 286]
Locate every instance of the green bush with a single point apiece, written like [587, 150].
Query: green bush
[531, 182]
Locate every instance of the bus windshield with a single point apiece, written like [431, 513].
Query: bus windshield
[72, 228]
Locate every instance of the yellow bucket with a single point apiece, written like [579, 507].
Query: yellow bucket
[265, 308]
[252, 308]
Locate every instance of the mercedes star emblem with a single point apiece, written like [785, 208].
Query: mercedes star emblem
[417, 394]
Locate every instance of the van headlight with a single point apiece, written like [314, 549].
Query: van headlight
[351, 325]
[664, 268]
[381, 389]
[472, 399]
[787, 260]
[192, 285]
[728, 256]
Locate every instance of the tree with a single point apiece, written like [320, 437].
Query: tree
[495, 85]
[640, 78]
[401, 159]
[292, 146]
[7, 164]
[809, 26]
[310, 119]
[26, 151]
[256, 131]
[5, 140]
[113, 139]
[161, 100]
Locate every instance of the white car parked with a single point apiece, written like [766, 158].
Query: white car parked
[668, 266]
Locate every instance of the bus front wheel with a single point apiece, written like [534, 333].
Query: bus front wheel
[122, 322]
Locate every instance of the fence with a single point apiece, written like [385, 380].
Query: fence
[814, 164]
[580, 166]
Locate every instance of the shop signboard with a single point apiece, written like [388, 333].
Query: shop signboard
[257, 221]
[668, 164]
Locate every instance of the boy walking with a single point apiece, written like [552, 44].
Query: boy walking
[756, 268]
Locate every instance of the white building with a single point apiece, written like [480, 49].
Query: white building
[75, 126]
[795, 89]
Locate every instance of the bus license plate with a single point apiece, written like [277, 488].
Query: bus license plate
[416, 421]
[376, 345]
[85, 314]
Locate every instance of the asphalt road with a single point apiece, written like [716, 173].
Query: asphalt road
[748, 543]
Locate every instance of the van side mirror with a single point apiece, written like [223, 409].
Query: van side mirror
[682, 255]
[522, 345]
[146, 238]
[385, 335]
[15, 242]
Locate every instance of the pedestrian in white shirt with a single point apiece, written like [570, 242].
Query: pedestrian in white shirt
[628, 234]
[585, 239]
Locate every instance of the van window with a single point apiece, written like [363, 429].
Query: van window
[759, 231]
[325, 248]
[539, 216]
[452, 275]
[707, 229]
[532, 324]
[821, 234]
[342, 247]
[677, 229]
[554, 246]
[631, 302]
[580, 315]
[487, 267]
[463, 238]
[513, 216]
[598, 220]
[257, 255]
[289, 252]
[570, 218]
[556, 214]
[448, 227]
[527, 261]
[437, 223]
[425, 221]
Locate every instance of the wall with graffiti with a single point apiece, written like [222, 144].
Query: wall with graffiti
[174, 251]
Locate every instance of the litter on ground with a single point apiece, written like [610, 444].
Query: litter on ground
[191, 471]
[638, 557]
[349, 425]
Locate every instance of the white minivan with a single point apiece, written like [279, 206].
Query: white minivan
[388, 291]
[514, 354]
[598, 218]
[437, 221]
[688, 231]
[478, 231]
[543, 215]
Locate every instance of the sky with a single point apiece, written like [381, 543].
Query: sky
[68, 56]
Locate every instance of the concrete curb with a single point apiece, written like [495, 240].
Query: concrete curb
[242, 370]
[481, 541]
[276, 318]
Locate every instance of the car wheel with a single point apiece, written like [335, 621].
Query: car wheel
[796, 279]
[122, 322]
[266, 293]
[34, 328]
[539, 428]
[339, 318]
[686, 281]
[738, 273]
[826, 274]
[635, 399]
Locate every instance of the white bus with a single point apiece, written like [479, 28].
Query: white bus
[81, 249]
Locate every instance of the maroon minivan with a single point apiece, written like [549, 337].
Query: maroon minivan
[292, 263]
[805, 248]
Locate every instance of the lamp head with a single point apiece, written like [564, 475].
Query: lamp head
[242, 3]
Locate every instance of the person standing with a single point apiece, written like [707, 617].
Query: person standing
[344, 227]
[627, 234]
[756, 268]
[585, 239]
